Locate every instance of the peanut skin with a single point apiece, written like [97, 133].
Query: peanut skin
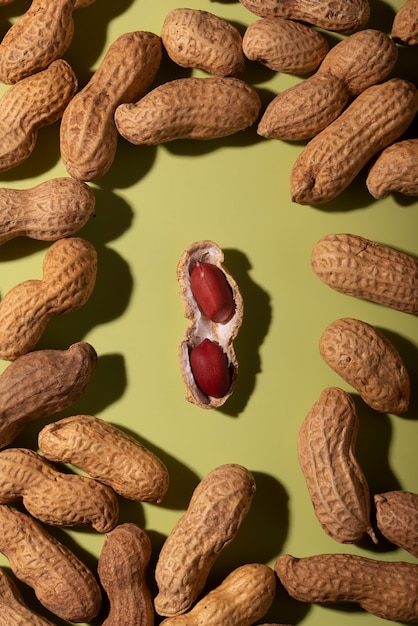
[122, 569]
[395, 169]
[396, 518]
[91, 444]
[359, 267]
[13, 609]
[69, 276]
[53, 497]
[336, 484]
[388, 590]
[60, 580]
[43, 383]
[241, 599]
[369, 362]
[405, 24]
[49, 211]
[217, 507]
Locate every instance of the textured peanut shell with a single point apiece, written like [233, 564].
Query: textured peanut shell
[13, 609]
[343, 16]
[40, 36]
[333, 158]
[122, 569]
[69, 276]
[397, 518]
[388, 590]
[53, 209]
[366, 359]
[61, 581]
[395, 169]
[405, 24]
[336, 484]
[32, 103]
[54, 497]
[42, 383]
[189, 108]
[88, 136]
[92, 444]
[358, 267]
[241, 599]
[216, 509]
[201, 327]
[199, 39]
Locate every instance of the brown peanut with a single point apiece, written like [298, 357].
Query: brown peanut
[56, 208]
[333, 158]
[210, 368]
[69, 276]
[122, 569]
[344, 16]
[396, 518]
[54, 497]
[405, 24]
[216, 509]
[92, 444]
[358, 267]
[199, 39]
[39, 37]
[369, 362]
[88, 136]
[13, 609]
[336, 484]
[189, 108]
[395, 170]
[388, 590]
[241, 599]
[62, 583]
[43, 383]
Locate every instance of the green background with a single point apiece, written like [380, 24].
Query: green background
[150, 206]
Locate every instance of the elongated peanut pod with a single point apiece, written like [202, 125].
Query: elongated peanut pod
[189, 108]
[359, 267]
[60, 580]
[336, 484]
[395, 169]
[69, 276]
[13, 609]
[42, 383]
[53, 497]
[49, 211]
[386, 589]
[397, 518]
[216, 509]
[92, 444]
[241, 599]
[405, 24]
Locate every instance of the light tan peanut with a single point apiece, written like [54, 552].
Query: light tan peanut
[13, 609]
[30, 104]
[216, 509]
[344, 16]
[336, 484]
[366, 359]
[405, 24]
[214, 306]
[333, 158]
[386, 589]
[62, 583]
[69, 276]
[42, 383]
[397, 518]
[199, 39]
[92, 444]
[56, 208]
[189, 108]
[54, 497]
[395, 169]
[359, 267]
[122, 569]
[88, 136]
[351, 66]
[39, 37]
[242, 598]
[284, 45]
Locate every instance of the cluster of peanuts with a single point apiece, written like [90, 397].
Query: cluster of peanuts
[353, 115]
